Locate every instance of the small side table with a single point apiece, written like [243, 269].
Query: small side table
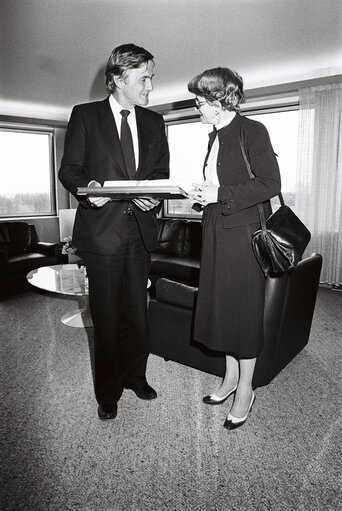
[66, 279]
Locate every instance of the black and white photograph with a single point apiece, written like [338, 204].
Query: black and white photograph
[170, 255]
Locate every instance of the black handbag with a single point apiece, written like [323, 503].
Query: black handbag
[280, 242]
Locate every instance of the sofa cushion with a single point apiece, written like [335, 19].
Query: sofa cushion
[171, 236]
[15, 237]
[176, 293]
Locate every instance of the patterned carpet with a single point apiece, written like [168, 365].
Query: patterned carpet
[171, 453]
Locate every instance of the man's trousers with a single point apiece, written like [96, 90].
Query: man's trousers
[118, 306]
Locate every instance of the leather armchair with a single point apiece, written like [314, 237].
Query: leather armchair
[20, 252]
[289, 306]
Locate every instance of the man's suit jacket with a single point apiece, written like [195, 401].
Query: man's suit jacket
[93, 151]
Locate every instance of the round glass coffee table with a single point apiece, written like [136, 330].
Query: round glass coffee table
[67, 279]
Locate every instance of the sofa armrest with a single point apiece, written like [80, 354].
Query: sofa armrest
[46, 248]
[175, 293]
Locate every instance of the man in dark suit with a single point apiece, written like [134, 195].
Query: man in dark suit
[117, 139]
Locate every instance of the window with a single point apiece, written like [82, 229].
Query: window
[26, 172]
[282, 127]
[188, 142]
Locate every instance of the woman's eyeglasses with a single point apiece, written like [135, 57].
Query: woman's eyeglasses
[198, 103]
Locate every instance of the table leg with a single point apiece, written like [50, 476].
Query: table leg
[79, 318]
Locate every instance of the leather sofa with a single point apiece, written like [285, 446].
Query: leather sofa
[178, 255]
[289, 306]
[20, 252]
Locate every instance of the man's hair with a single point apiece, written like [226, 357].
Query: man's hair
[122, 58]
[219, 84]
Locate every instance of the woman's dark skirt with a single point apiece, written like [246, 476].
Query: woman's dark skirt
[230, 303]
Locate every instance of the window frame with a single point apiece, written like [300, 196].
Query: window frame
[22, 127]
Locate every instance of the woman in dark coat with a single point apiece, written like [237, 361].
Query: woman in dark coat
[230, 305]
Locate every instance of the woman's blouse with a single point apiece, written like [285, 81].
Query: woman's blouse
[210, 170]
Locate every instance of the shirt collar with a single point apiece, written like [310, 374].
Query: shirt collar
[116, 107]
[223, 124]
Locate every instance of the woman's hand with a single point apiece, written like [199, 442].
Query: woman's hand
[203, 194]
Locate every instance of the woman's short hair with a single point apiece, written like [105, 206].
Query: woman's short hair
[122, 58]
[219, 84]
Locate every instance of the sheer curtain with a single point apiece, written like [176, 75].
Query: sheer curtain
[318, 200]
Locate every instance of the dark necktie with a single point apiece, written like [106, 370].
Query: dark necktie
[127, 144]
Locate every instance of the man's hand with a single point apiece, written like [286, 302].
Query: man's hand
[146, 203]
[97, 202]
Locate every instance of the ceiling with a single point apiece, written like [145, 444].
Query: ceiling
[53, 52]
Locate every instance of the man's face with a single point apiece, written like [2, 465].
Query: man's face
[135, 86]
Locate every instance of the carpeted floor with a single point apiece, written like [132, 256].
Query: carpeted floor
[171, 453]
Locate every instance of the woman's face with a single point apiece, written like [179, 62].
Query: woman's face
[208, 113]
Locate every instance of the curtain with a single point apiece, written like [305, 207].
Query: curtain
[318, 198]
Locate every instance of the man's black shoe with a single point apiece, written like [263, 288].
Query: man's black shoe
[104, 415]
[144, 391]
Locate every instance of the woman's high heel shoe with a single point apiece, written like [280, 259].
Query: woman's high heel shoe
[232, 422]
[213, 399]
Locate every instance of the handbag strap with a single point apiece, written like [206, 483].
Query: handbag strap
[251, 175]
